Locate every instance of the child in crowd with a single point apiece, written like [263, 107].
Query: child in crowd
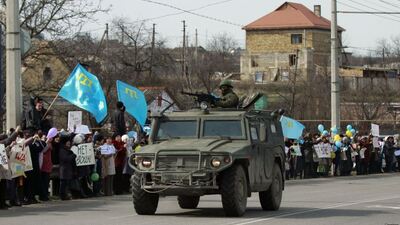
[108, 166]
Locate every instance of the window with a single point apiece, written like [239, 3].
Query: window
[296, 39]
[273, 127]
[263, 132]
[254, 61]
[254, 131]
[292, 59]
[222, 128]
[47, 74]
[259, 77]
[177, 129]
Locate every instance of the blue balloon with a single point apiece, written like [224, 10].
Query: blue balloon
[338, 144]
[353, 131]
[349, 127]
[325, 133]
[321, 128]
[334, 130]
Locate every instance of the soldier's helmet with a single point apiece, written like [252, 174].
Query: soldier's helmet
[227, 83]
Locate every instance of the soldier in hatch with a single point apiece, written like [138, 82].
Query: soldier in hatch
[228, 99]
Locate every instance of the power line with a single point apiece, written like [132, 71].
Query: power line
[389, 3]
[359, 11]
[196, 14]
[179, 13]
[369, 7]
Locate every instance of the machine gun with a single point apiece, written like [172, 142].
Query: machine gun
[202, 97]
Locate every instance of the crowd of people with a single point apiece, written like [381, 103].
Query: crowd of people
[52, 160]
[343, 155]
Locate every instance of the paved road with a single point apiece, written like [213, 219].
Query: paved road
[373, 199]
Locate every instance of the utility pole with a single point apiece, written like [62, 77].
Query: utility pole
[13, 65]
[184, 50]
[292, 108]
[196, 46]
[335, 89]
[153, 37]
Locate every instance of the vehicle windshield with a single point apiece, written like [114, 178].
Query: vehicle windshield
[222, 128]
[177, 129]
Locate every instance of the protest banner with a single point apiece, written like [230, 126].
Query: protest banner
[323, 150]
[84, 154]
[375, 130]
[3, 157]
[74, 120]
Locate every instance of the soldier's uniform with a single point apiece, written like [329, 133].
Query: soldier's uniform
[229, 99]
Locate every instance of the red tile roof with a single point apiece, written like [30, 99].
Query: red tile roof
[290, 16]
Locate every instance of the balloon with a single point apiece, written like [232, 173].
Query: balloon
[52, 133]
[301, 141]
[321, 128]
[349, 127]
[338, 144]
[94, 177]
[337, 137]
[334, 130]
[325, 133]
[353, 131]
[349, 134]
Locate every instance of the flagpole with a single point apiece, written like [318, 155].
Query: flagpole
[48, 109]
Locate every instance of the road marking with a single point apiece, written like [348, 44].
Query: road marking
[384, 206]
[263, 219]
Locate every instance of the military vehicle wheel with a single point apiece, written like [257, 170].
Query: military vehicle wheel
[188, 202]
[234, 191]
[271, 199]
[145, 203]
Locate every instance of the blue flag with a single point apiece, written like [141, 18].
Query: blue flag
[83, 89]
[134, 101]
[291, 128]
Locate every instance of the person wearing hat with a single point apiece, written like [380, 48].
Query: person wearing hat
[118, 120]
[228, 99]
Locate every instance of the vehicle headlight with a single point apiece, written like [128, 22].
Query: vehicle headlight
[146, 162]
[215, 162]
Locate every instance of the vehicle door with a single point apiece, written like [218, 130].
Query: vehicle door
[256, 156]
[269, 133]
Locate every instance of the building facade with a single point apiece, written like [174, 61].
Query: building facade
[290, 41]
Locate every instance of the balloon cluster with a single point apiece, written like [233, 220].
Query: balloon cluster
[337, 140]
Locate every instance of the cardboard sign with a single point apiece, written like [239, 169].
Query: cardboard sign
[375, 130]
[323, 150]
[74, 120]
[84, 154]
[3, 156]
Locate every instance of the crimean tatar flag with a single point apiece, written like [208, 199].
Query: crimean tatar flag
[83, 89]
[134, 101]
[291, 128]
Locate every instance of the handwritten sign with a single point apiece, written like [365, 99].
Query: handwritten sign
[21, 155]
[74, 120]
[3, 156]
[84, 154]
[375, 130]
[323, 150]
[107, 149]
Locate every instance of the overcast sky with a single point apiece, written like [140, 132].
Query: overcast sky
[361, 30]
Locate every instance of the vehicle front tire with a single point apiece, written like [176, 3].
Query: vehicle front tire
[271, 199]
[233, 188]
[188, 202]
[145, 203]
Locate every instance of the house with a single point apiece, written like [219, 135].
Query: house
[290, 40]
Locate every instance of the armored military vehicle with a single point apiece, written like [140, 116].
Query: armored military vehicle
[231, 152]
